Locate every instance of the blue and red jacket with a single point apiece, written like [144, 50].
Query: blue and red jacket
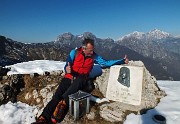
[81, 65]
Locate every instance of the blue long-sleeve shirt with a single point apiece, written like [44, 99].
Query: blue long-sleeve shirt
[97, 60]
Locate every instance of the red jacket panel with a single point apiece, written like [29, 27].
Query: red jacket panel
[81, 66]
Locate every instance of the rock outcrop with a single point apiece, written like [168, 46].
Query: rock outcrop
[35, 89]
[151, 95]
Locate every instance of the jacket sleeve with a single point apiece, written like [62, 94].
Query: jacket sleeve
[70, 59]
[107, 63]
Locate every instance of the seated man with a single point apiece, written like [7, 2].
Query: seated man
[78, 67]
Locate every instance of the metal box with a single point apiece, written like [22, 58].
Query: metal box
[79, 104]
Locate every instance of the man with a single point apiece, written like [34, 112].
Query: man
[78, 67]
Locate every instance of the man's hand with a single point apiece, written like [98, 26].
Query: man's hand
[126, 60]
[68, 68]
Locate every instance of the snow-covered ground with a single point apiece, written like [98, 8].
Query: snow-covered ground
[37, 66]
[168, 106]
[17, 113]
[21, 113]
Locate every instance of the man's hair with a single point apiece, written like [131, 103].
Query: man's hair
[86, 41]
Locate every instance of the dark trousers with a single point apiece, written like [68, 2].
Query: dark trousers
[65, 88]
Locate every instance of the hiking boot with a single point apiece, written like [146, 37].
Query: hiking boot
[40, 120]
[59, 112]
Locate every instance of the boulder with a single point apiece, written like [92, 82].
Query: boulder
[151, 95]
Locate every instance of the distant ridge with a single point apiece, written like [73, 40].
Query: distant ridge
[159, 50]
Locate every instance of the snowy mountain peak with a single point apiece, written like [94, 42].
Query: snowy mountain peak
[158, 34]
[135, 34]
[153, 35]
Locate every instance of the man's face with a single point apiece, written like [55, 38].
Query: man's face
[88, 51]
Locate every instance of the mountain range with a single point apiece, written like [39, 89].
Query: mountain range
[159, 50]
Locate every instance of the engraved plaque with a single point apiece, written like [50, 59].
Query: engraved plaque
[125, 84]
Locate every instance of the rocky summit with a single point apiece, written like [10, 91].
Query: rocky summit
[35, 89]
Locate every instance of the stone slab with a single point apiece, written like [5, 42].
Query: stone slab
[131, 94]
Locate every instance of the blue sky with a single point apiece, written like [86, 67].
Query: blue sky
[44, 20]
